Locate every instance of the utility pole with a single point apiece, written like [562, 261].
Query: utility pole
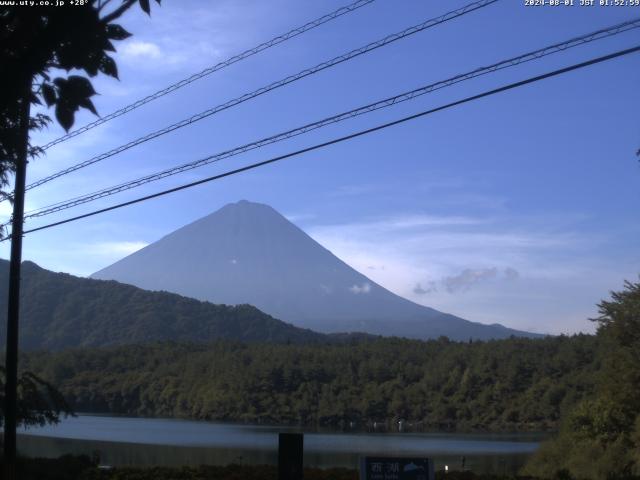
[11, 364]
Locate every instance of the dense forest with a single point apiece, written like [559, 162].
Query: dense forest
[59, 311]
[515, 384]
[600, 436]
[260, 370]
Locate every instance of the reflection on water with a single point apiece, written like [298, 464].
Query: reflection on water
[136, 441]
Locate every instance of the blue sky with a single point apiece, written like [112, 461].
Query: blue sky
[520, 209]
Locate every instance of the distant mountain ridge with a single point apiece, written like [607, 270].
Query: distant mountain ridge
[248, 253]
[61, 311]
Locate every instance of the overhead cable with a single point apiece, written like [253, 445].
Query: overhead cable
[214, 68]
[272, 86]
[344, 138]
[380, 104]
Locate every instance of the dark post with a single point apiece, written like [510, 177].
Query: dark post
[11, 383]
[290, 448]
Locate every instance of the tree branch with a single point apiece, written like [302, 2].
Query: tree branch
[118, 11]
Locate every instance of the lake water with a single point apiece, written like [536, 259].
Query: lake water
[148, 441]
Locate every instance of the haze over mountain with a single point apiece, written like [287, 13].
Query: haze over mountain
[248, 253]
[61, 311]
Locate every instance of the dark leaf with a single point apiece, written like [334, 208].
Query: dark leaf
[49, 94]
[144, 5]
[65, 114]
[78, 87]
[108, 66]
[88, 104]
[72, 55]
[116, 32]
[92, 64]
[73, 92]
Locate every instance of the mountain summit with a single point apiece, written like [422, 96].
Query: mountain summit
[248, 253]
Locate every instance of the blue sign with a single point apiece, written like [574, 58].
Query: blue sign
[396, 468]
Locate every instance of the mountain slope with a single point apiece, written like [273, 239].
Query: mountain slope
[59, 311]
[249, 253]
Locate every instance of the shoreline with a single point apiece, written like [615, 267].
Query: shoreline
[311, 428]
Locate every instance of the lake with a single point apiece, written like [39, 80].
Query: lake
[150, 441]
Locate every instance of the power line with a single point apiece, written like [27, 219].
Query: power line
[280, 83]
[387, 102]
[208, 71]
[346, 137]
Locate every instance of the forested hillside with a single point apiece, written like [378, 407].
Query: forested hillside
[61, 311]
[601, 435]
[497, 385]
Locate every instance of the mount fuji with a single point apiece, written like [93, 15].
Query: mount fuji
[248, 253]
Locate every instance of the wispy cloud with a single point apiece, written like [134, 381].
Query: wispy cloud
[77, 258]
[486, 268]
[191, 37]
[467, 278]
[429, 288]
[395, 223]
[113, 248]
[352, 190]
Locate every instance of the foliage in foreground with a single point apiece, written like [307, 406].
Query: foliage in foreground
[208, 472]
[83, 468]
[514, 384]
[602, 434]
[38, 44]
[39, 402]
[67, 467]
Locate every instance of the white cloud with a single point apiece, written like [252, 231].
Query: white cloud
[190, 38]
[360, 289]
[425, 246]
[114, 248]
[136, 49]
[533, 277]
[301, 217]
